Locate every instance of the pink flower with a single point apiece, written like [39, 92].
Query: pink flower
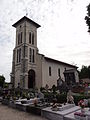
[79, 114]
[81, 103]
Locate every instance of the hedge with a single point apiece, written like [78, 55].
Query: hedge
[62, 98]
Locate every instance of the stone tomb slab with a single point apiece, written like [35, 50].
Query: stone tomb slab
[37, 109]
[57, 115]
[23, 106]
[71, 116]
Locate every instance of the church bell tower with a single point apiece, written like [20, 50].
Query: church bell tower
[24, 54]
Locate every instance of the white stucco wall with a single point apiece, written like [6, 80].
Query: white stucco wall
[17, 76]
[39, 71]
[52, 80]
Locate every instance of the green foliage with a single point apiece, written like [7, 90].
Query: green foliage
[6, 85]
[2, 80]
[85, 72]
[54, 88]
[42, 89]
[77, 98]
[1, 91]
[63, 88]
[61, 98]
[24, 95]
[87, 18]
[78, 89]
[49, 96]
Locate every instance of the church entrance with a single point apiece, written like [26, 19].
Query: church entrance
[31, 79]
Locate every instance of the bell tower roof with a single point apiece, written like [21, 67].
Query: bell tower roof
[26, 19]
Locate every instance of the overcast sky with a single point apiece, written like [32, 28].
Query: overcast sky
[63, 34]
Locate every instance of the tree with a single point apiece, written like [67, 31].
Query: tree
[2, 80]
[84, 72]
[87, 18]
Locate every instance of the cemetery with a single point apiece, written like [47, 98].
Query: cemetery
[49, 103]
[31, 90]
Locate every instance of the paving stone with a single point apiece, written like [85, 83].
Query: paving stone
[7, 113]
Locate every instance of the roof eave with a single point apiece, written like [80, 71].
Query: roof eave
[61, 62]
[25, 18]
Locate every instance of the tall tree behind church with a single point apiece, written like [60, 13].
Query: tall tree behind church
[84, 72]
[2, 80]
[87, 17]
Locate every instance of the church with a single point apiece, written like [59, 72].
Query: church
[30, 69]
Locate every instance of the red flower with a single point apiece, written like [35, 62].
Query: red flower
[81, 103]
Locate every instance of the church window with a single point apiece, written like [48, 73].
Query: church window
[19, 38]
[30, 57]
[59, 72]
[49, 71]
[18, 55]
[33, 56]
[30, 37]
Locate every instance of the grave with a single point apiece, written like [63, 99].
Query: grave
[36, 109]
[22, 104]
[60, 113]
[12, 104]
[71, 116]
[5, 101]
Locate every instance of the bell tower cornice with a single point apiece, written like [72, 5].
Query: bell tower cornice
[26, 19]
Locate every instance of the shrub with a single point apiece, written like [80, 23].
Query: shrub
[24, 95]
[54, 88]
[77, 98]
[49, 96]
[42, 89]
[61, 98]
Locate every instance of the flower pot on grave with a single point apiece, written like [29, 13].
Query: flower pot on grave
[82, 110]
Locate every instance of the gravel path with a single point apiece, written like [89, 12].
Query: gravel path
[7, 113]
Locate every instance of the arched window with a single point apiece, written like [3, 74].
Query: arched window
[49, 71]
[59, 72]
[32, 55]
[19, 55]
[32, 38]
[19, 38]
